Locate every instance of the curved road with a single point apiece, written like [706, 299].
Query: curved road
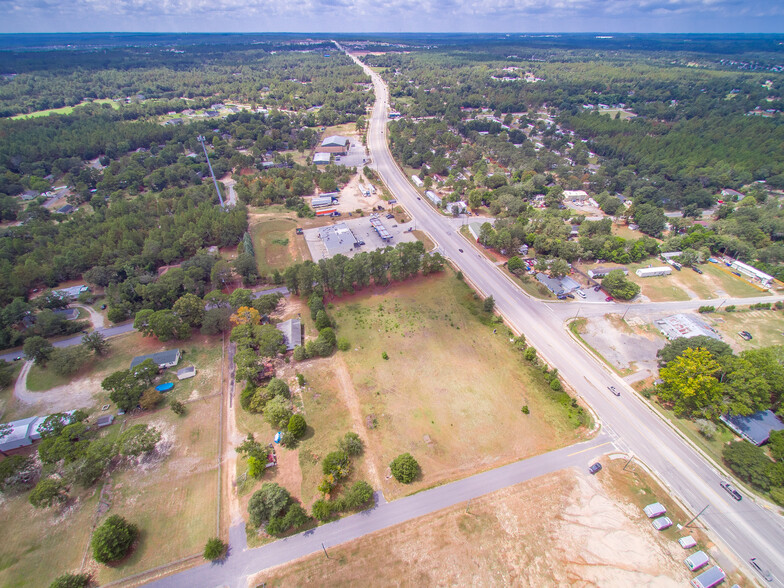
[748, 529]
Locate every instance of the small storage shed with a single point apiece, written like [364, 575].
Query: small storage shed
[186, 372]
[710, 578]
[697, 561]
[654, 510]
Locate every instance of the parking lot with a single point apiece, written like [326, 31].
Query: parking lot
[356, 155]
[362, 230]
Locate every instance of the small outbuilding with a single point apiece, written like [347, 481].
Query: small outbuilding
[186, 372]
[649, 272]
[654, 510]
[322, 158]
[601, 272]
[104, 421]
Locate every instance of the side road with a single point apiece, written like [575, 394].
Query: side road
[240, 564]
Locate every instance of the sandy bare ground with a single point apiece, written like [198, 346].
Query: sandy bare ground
[351, 198]
[96, 318]
[61, 398]
[626, 348]
[564, 529]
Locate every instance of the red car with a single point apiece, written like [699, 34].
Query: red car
[608, 299]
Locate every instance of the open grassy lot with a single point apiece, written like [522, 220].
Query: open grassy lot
[7, 391]
[451, 392]
[274, 242]
[45, 543]
[173, 499]
[765, 326]
[564, 529]
[64, 109]
[725, 281]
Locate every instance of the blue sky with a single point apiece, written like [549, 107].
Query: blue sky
[697, 16]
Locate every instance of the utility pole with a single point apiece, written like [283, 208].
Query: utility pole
[212, 173]
[325, 549]
[628, 462]
[697, 516]
[578, 312]
[722, 303]
[627, 310]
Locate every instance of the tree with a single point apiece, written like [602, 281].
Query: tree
[124, 388]
[322, 320]
[66, 361]
[246, 315]
[277, 412]
[676, 347]
[96, 343]
[6, 374]
[150, 399]
[177, 407]
[359, 494]
[559, 268]
[515, 264]
[405, 468]
[690, 384]
[48, 492]
[748, 462]
[215, 549]
[489, 304]
[71, 581]
[189, 309]
[220, 274]
[216, 320]
[322, 510]
[17, 473]
[297, 425]
[351, 443]
[270, 341]
[269, 501]
[137, 440]
[94, 461]
[113, 539]
[776, 444]
[38, 349]
[619, 286]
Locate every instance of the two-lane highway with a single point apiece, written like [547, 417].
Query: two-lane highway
[746, 528]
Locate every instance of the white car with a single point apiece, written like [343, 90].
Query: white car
[580, 293]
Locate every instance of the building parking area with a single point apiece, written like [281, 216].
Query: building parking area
[351, 236]
[355, 157]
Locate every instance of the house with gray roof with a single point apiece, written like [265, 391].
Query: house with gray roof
[754, 428]
[558, 286]
[164, 359]
[292, 333]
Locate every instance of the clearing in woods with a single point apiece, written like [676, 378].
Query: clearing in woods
[566, 528]
[274, 243]
[452, 391]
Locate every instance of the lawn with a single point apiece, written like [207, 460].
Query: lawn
[274, 244]
[729, 283]
[451, 392]
[765, 326]
[64, 109]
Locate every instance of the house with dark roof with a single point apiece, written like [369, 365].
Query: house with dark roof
[755, 428]
[292, 333]
[70, 314]
[67, 209]
[164, 359]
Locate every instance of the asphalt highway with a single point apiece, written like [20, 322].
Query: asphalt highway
[746, 528]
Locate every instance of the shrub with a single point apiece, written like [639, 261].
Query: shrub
[777, 494]
[71, 581]
[351, 443]
[300, 379]
[359, 494]
[299, 353]
[297, 425]
[322, 510]
[405, 468]
[268, 502]
[322, 320]
[705, 309]
[384, 355]
[489, 304]
[277, 412]
[555, 385]
[48, 492]
[525, 409]
[177, 407]
[17, 472]
[730, 308]
[277, 387]
[343, 344]
[246, 397]
[256, 467]
[460, 276]
[530, 354]
[707, 428]
[215, 549]
[113, 539]
[336, 463]
[138, 439]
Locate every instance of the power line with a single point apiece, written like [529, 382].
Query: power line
[212, 173]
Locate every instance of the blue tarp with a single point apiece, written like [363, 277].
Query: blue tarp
[278, 437]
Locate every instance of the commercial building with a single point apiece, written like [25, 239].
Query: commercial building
[579, 195]
[755, 428]
[649, 272]
[337, 239]
[334, 144]
[558, 286]
[753, 273]
[685, 325]
[460, 207]
[322, 158]
[164, 359]
[292, 333]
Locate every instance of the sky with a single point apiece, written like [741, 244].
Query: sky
[339, 16]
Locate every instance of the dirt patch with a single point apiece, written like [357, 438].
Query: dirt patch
[562, 529]
[629, 348]
[78, 394]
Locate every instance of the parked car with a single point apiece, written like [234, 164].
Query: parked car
[597, 288]
[460, 250]
[745, 335]
[662, 523]
[595, 468]
[696, 269]
[730, 490]
[764, 572]
[580, 293]
[570, 296]
[608, 299]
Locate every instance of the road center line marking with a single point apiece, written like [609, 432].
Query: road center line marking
[590, 448]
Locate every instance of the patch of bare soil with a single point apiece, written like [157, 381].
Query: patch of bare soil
[563, 529]
[78, 394]
[625, 347]
[352, 198]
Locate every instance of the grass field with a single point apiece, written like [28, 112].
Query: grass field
[64, 109]
[732, 285]
[765, 326]
[173, 502]
[274, 244]
[451, 392]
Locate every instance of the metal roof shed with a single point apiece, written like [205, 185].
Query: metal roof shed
[697, 561]
[710, 578]
[756, 427]
[654, 510]
[186, 372]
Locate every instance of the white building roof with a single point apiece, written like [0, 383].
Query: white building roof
[334, 141]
